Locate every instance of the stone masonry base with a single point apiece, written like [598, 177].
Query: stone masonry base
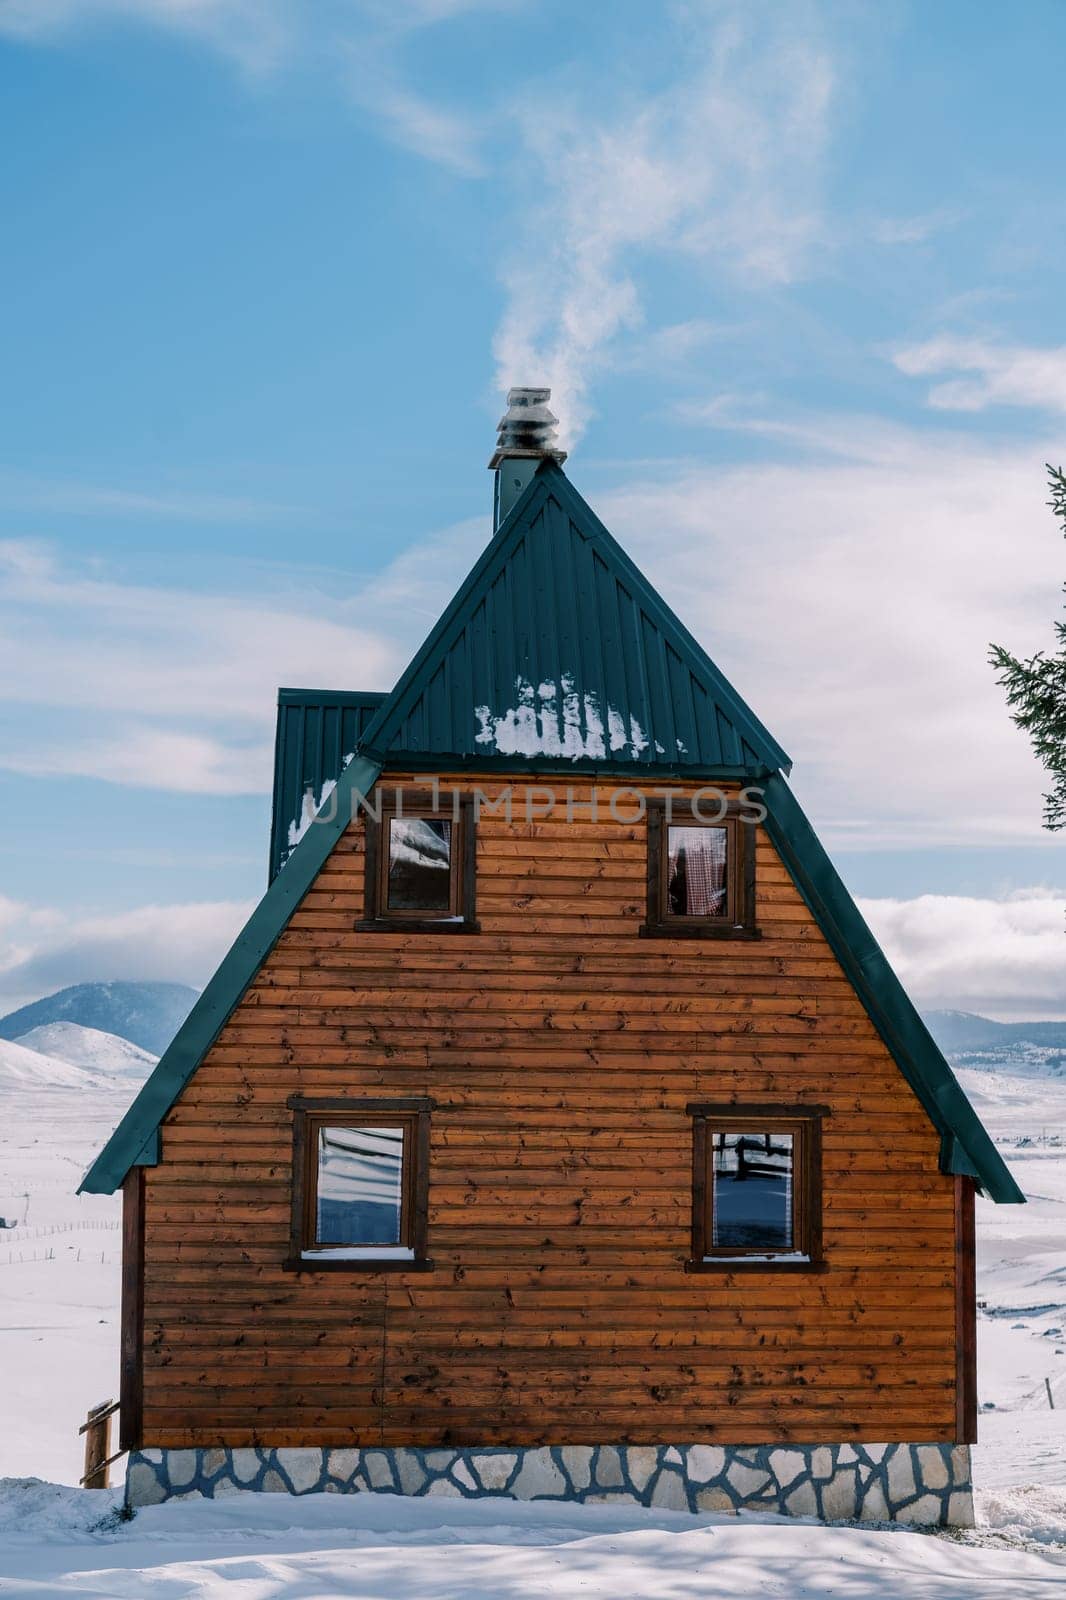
[924, 1484]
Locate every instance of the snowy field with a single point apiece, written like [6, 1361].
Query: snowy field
[59, 1263]
[59, 1272]
[337, 1547]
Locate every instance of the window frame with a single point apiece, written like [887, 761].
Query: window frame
[804, 1122]
[311, 1114]
[461, 916]
[739, 919]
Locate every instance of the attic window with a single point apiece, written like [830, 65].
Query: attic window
[420, 867]
[697, 877]
[756, 1189]
[701, 872]
[359, 1184]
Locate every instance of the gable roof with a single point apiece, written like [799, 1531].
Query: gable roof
[965, 1146]
[557, 651]
[136, 1139]
[642, 664]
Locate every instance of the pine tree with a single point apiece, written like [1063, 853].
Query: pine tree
[1036, 690]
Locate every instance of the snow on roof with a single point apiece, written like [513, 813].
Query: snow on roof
[555, 720]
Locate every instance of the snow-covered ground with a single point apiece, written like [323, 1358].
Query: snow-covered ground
[59, 1284]
[1021, 1250]
[378, 1547]
[59, 1253]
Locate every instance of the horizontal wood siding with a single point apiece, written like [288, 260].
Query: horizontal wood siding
[561, 1050]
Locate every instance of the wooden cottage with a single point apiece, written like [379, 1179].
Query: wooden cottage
[555, 1127]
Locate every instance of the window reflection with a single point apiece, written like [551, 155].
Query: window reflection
[360, 1186]
[419, 870]
[751, 1205]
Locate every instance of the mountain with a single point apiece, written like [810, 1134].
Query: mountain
[28, 1069]
[103, 1053]
[962, 1030]
[147, 1014]
[1026, 1049]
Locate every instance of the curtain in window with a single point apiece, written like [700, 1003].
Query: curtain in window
[697, 872]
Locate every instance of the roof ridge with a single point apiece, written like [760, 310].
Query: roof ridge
[547, 635]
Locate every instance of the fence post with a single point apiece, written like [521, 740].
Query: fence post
[97, 1431]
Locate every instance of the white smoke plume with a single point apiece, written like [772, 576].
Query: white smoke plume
[722, 166]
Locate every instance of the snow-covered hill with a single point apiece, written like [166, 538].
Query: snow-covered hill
[148, 1014]
[103, 1053]
[28, 1070]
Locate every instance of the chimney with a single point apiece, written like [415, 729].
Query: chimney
[526, 437]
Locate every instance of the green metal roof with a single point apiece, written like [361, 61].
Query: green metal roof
[558, 653]
[555, 652]
[317, 734]
[965, 1146]
[136, 1139]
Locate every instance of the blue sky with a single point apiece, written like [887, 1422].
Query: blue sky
[794, 274]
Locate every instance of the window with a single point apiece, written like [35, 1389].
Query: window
[420, 867]
[696, 880]
[701, 874]
[360, 1184]
[756, 1186]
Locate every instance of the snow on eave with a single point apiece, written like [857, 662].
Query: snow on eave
[310, 806]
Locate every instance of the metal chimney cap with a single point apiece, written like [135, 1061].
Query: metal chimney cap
[527, 428]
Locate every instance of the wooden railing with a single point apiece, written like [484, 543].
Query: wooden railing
[98, 1457]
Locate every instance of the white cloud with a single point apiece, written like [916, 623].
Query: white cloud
[43, 949]
[21, 491]
[165, 688]
[850, 596]
[721, 167]
[255, 33]
[420, 582]
[154, 758]
[997, 374]
[1003, 958]
[357, 44]
[427, 129]
[913, 230]
[79, 641]
[176, 689]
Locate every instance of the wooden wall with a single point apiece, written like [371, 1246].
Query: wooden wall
[562, 1050]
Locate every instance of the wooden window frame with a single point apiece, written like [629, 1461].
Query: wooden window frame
[805, 1124]
[739, 920]
[461, 915]
[309, 1115]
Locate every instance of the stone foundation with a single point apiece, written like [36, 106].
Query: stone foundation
[925, 1484]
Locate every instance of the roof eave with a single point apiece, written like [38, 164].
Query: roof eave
[966, 1147]
[224, 991]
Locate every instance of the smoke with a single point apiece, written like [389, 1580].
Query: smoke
[721, 167]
